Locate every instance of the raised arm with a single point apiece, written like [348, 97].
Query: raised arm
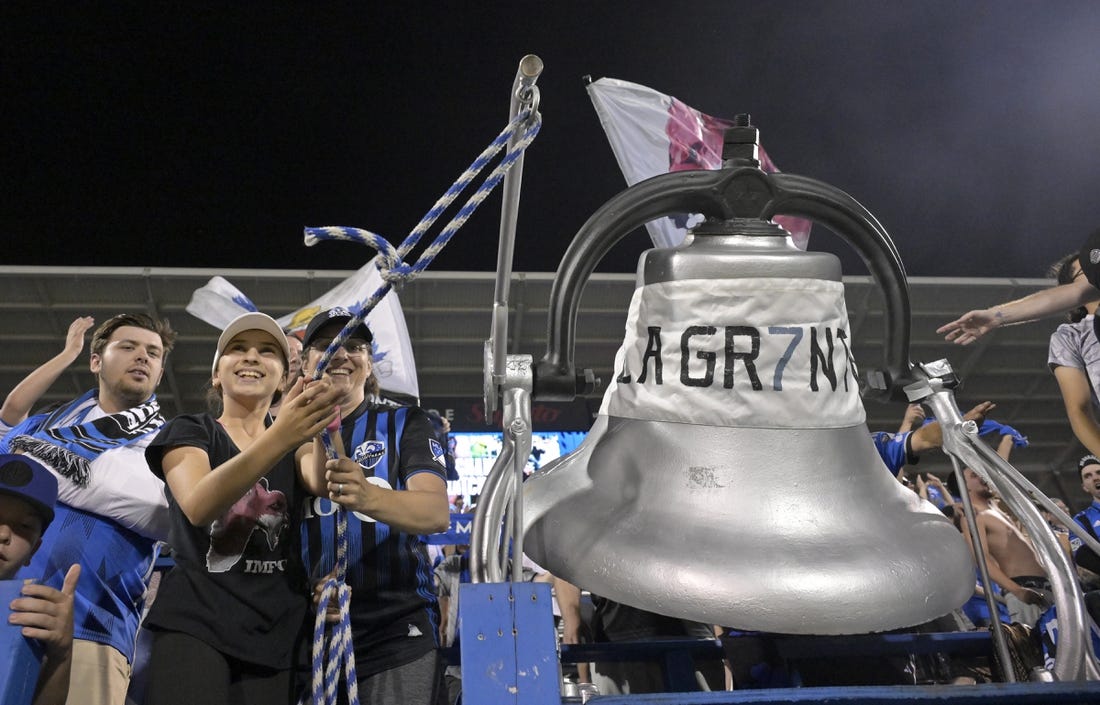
[933, 481]
[420, 508]
[1047, 302]
[914, 417]
[930, 435]
[26, 394]
[204, 493]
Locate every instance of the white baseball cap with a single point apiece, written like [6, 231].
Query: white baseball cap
[250, 321]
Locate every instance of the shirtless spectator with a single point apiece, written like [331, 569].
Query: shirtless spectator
[1009, 555]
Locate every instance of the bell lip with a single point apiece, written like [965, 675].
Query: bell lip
[919, 587]
[578, 539]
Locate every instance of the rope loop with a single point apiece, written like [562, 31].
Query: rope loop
[340, 656]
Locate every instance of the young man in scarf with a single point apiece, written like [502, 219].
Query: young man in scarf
[111, 510]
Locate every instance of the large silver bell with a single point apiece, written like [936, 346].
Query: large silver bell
[730, 476]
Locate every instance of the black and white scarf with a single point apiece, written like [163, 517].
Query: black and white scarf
[70, 449]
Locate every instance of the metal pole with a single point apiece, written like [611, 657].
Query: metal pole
[524, 93]
[999, 641]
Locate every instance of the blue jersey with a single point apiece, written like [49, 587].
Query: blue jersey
[977, 609]
[117, 564]
[893, 448]
[937, 498]
[389, 572]
[1090, 520]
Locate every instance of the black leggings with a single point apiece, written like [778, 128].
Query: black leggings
[184, 670]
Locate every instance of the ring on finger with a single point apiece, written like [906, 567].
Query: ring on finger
[339, 488]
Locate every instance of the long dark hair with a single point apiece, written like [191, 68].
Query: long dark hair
[1062, 270]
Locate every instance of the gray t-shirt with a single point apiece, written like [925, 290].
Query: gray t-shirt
[1075, 345]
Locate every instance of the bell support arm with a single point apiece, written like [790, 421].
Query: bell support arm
[1074, 660]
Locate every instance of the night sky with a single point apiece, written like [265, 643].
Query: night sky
[208, 135]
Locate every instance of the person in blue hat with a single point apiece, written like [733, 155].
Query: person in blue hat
[28, 492]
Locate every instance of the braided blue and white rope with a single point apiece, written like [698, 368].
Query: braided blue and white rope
[340, 652]
[390, 262]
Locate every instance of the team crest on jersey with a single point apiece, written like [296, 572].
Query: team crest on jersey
[437, 450]
[368, 454]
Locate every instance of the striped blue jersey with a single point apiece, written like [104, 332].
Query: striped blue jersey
[116, 566]
[389, 572]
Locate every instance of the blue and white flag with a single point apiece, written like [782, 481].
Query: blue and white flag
[219, 302]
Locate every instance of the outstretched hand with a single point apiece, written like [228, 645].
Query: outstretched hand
[971, 326]
[979, 412]
[914, 417]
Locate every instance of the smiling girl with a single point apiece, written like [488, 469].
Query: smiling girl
[227, 616]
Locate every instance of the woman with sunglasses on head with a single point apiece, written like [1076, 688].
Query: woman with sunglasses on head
[227, 618]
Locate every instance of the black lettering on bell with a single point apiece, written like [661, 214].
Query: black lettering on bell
[707, 379]
[747, 358]
[849, 361]
[817, 354]
[652, 350]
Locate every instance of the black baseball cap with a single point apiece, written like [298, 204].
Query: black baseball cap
[1089, 259]
[335, 315]
[1087, 461]
[24, 477]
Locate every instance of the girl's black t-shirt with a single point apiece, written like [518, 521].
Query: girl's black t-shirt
[238, 584]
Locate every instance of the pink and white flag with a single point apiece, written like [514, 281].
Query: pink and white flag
[219, 302]
[652, 133]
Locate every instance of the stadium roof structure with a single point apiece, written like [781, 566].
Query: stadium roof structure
[448, 315]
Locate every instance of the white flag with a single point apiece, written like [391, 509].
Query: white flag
[652, 133]
[219, 302]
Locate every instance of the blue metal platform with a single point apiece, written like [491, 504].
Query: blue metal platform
[509, 655]
[1007, 693]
